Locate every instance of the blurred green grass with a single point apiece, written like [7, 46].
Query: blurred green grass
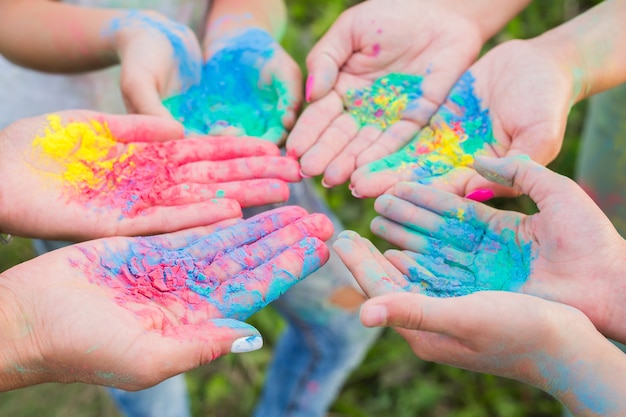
[391, 380]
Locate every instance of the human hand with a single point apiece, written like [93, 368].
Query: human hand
[89, 175]
[568, 252]
[158, 57]
[514, 100]
[130, 312]
[250, 86]
[362, 109]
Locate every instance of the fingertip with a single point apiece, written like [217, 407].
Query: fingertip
[373, 315]
[247, 344]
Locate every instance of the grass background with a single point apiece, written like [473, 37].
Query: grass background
[391, 381]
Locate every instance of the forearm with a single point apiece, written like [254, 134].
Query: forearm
[591, 48]
[489, 15]
[228, 15]
[56, 37]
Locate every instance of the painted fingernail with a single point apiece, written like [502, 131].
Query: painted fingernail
[247, 344]
[350, 187]
[480, 195]
[374, 316]
[308, 88]
[303, 175]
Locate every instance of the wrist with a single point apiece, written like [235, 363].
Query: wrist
[227, 20]
[20, 359]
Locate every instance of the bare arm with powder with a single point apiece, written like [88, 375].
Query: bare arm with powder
[250, 85]
[158, 56]
[131, 312]
[91, 175]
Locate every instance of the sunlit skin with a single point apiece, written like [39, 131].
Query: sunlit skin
[90, 175]
[130, 312]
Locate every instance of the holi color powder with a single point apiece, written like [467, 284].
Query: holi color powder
[460, 130]
[231, 93]
[98, 171]
[494, 261]
[188, 66]
[147, 269]
[383, 103]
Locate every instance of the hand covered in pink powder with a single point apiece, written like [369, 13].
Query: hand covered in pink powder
[569, 252]
[158, 57]
[514, 100]
[78, 175]
[130, 312]
[375, 79]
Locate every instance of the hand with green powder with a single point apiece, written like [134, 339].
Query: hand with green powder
[568, 252]
[378, 75]
[131, 312]
[79, 175]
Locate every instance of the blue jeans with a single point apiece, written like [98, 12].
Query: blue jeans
[601, 164]
[324, 340]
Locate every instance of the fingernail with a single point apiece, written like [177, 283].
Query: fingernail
[350, 187]
[247, 344]
[325, 184]
[355, 194]
[303, 175]
[308, 88]
[374, 316]
[480, 195]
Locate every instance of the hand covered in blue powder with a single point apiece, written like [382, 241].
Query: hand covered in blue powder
[158, 58]
[130, 312]
[250, 86]
[568, 252]
[514, 100]
[429, 41]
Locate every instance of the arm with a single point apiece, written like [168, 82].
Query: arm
[226, 16]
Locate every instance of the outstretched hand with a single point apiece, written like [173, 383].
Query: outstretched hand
[130, 312]
[375, 79]
[89, 175]
[514, 100]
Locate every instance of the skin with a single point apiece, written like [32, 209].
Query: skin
[373, 39]
[71, 316]
[189, 182]
[56, 37]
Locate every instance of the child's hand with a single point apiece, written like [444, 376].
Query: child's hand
[130, 312]
[369, 41]
[568, 252]
[158, 57]
[514, 100]
[78, 175]
[250, 86]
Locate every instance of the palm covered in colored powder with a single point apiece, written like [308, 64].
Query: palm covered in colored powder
[249, 86]
[157, 306]
[100, 175]
[568, 252]
[375, 79]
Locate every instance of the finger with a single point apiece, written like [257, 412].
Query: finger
[220, 148]
[528, 177]
[252, 290]
[140, 128]
[312, 123]
[288, 81]
[390, 141]
[245, 232]
[247, 193]
[142, 96]
[369, 267]
[330, 144]
[255, 254]
[375, 178]
[239, 169]
[169, 219]
[328, 55]
[343, 165]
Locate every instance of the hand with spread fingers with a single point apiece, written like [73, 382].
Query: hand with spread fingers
[379, 74]
[97, 175]
[130, 312]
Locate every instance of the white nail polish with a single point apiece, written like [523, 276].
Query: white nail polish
[247, 344]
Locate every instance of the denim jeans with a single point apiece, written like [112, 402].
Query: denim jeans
[601, 164]
[324, 340]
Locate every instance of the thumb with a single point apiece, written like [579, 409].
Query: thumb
[142, 128]
[527, 177]
[328, 55]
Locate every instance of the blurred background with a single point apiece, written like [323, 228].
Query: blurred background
[391, 381]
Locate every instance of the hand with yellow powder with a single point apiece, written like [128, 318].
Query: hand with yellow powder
[77, 175]
[379, 74]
